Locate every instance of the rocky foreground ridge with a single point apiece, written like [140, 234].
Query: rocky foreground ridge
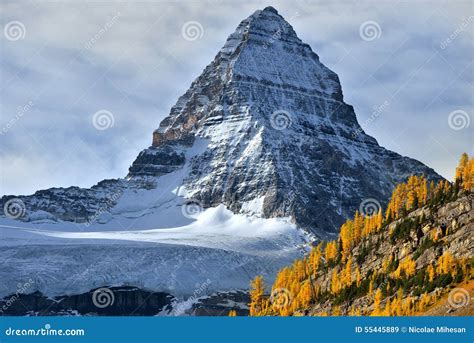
[417, 246]
[408, 260]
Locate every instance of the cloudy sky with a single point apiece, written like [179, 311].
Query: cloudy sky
[409, 62]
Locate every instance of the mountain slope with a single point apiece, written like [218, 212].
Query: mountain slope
[417, 260]
[281, 140]
[263, 130]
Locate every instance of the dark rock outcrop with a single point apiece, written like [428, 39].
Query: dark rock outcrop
[116, 301]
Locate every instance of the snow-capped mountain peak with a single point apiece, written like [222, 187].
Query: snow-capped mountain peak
[263, 130]
[282, 142]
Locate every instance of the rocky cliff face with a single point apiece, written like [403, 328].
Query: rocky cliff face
[458, 216]
[281, 140]
[263, 130]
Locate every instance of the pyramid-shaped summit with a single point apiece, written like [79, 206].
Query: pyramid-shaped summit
[276, 138]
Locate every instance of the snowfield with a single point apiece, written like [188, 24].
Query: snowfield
[150, 238]
[218, 249]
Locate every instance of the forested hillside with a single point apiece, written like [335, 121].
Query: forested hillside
[401, 261]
